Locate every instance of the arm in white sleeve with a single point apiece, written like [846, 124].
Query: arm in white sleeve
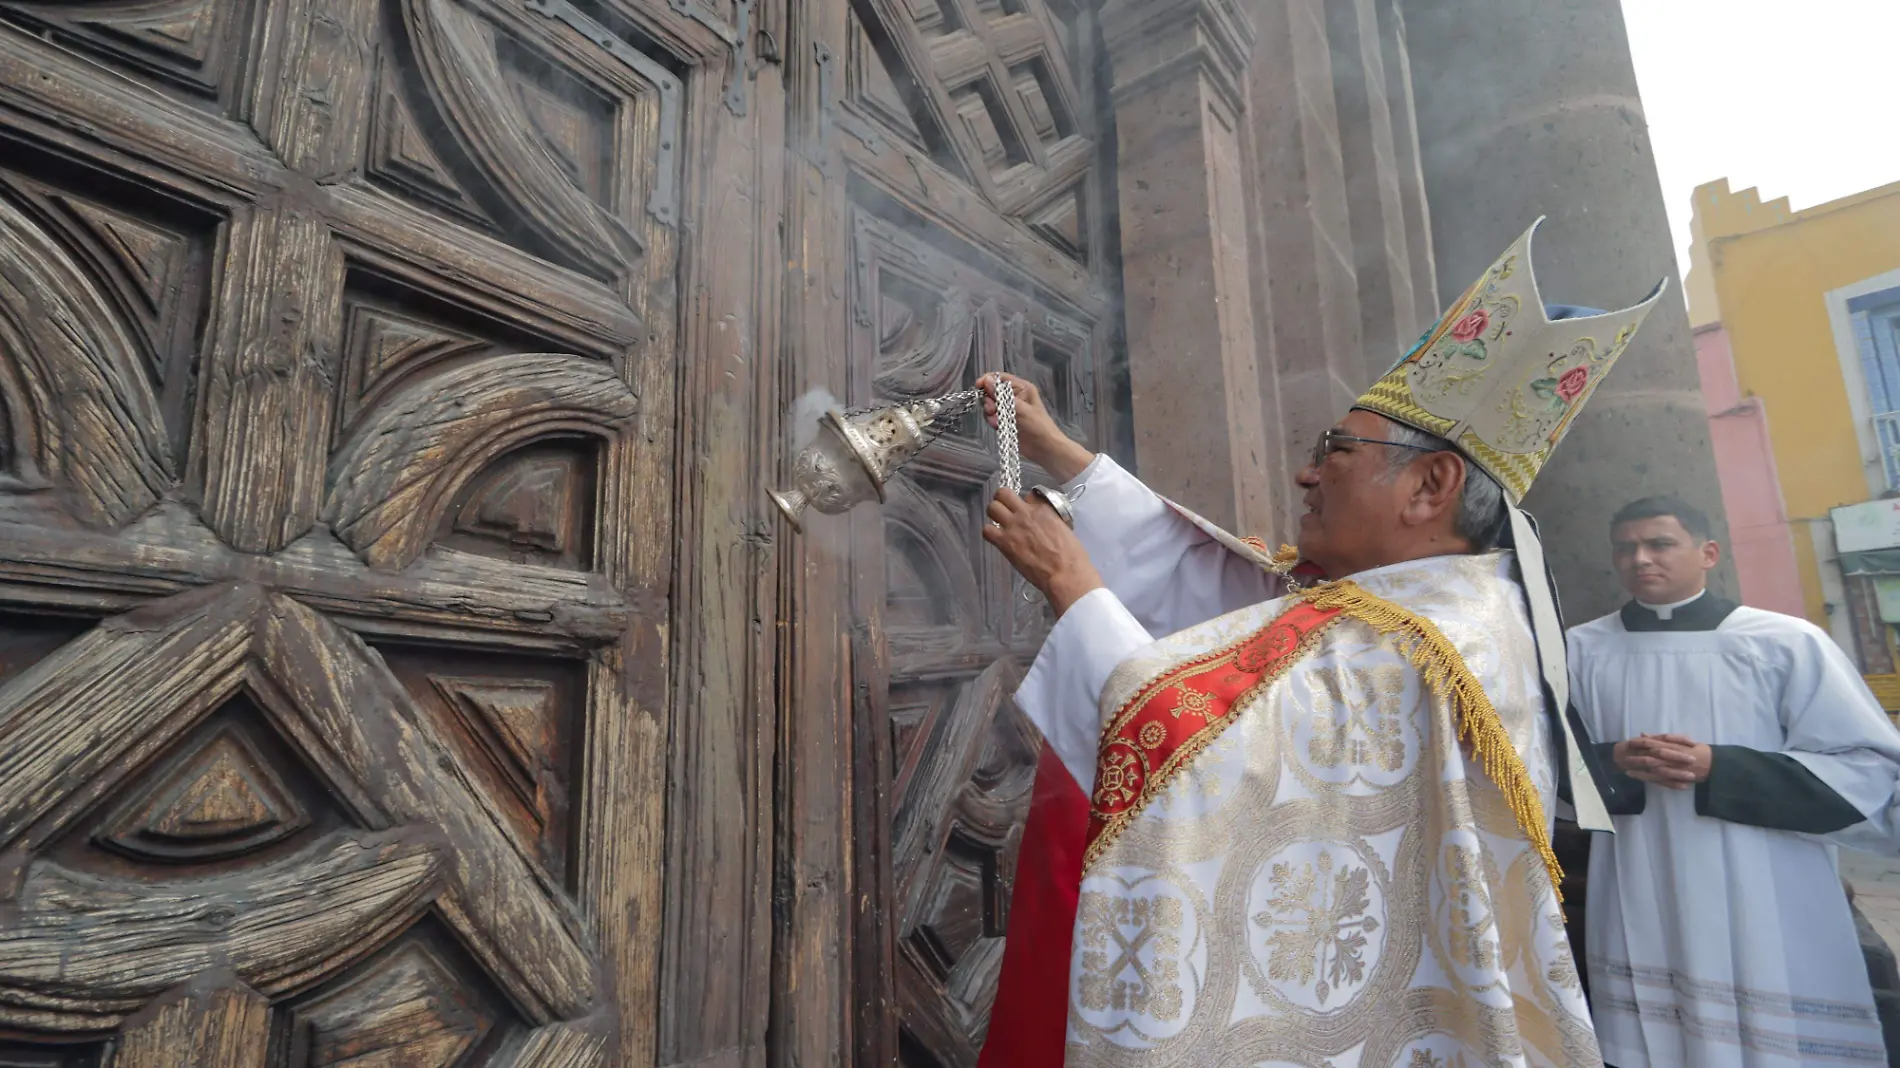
[1062, 692]
[1834, 727]
[1167, 572]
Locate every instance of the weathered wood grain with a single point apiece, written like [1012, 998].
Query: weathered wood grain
[412, 452]
[113, 697]
[53, 89]
[911, 178]
[445, 595]
[928, 365]
[267, 410]
[199, 1026]
[80, 952]
[223, 800]
[401, 240]
[91, 425]
[408, 1007]
[125, 687]
[557, 1046]
[815, 1008]
[1000, 207]
[507, 911]
[266, 158]
[621, 806]
[311, 101]
[717, 915]
[455, 53]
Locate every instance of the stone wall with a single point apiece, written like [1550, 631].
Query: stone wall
[1531, 109]
[1276, 239]
[1299, 177]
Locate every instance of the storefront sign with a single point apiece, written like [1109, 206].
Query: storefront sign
[1860, 528]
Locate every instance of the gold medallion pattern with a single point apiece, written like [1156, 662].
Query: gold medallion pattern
[1388, 917]
[1319, 924]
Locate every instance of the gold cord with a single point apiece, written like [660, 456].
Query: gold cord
[1444, 671]
[1282, 564]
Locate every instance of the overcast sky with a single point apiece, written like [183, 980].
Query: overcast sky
[1797, 99]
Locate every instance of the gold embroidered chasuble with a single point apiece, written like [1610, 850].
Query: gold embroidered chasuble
[1333, 880]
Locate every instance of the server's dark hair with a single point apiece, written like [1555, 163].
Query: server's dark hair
[1667, 504]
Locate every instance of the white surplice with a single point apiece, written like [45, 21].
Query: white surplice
[1331, 882]
[1713, 943]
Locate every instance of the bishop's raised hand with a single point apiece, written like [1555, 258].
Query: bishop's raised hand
[1038, 434]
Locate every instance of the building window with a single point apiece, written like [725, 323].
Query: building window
[1876, 318]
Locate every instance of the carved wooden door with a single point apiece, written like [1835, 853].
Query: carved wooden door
[976, 185]
[332, 564]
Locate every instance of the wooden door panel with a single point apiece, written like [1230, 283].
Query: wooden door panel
[87, 434]
[190, 49]
[970, 130]
[319, 326]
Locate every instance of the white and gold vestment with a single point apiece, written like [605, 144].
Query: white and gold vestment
[1332, 880]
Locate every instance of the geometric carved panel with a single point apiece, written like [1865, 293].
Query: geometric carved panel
[533, 506]
[149, 259]
[190, 48]
[963, 906]
[223, 801]
[980, 110]
[869, 83]
[955, 826]
[408, 1008]
[989, 89]
[514, 720]
[402, 159]
[381, 343]
[955, 762]
[572, 121]
[528, 137]
[200, 667]
[918, 591]
[1048, 119]
[1063, 222]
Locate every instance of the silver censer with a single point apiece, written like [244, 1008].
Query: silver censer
[858, 450]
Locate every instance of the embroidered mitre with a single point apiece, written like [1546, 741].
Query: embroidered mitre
[1500, 376]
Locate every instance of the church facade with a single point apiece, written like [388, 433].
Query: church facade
[399, 655]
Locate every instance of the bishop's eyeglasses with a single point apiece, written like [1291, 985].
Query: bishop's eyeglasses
[1329, 441]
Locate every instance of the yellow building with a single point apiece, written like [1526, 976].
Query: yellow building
[1797, 317]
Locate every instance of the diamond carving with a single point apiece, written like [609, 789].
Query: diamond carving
[401, 157]
[409, 1010]
[1064, 223]
[514, 722]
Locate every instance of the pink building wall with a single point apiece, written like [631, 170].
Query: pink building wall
[1761, 542]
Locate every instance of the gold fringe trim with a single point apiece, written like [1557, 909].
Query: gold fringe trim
[1444, 671]
[1286, 559]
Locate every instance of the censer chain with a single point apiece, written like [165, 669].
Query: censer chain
[956, 405]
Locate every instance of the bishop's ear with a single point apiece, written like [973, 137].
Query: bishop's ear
[1441, 485]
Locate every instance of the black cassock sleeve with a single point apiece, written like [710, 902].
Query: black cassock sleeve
[1622, 795]
[1772, 790]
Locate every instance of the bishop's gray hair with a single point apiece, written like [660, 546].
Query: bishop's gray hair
[1481, 519]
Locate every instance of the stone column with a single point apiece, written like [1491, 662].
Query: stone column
[1375, 184]
[1200, 436]
[1528, 109]
[1308, 297]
